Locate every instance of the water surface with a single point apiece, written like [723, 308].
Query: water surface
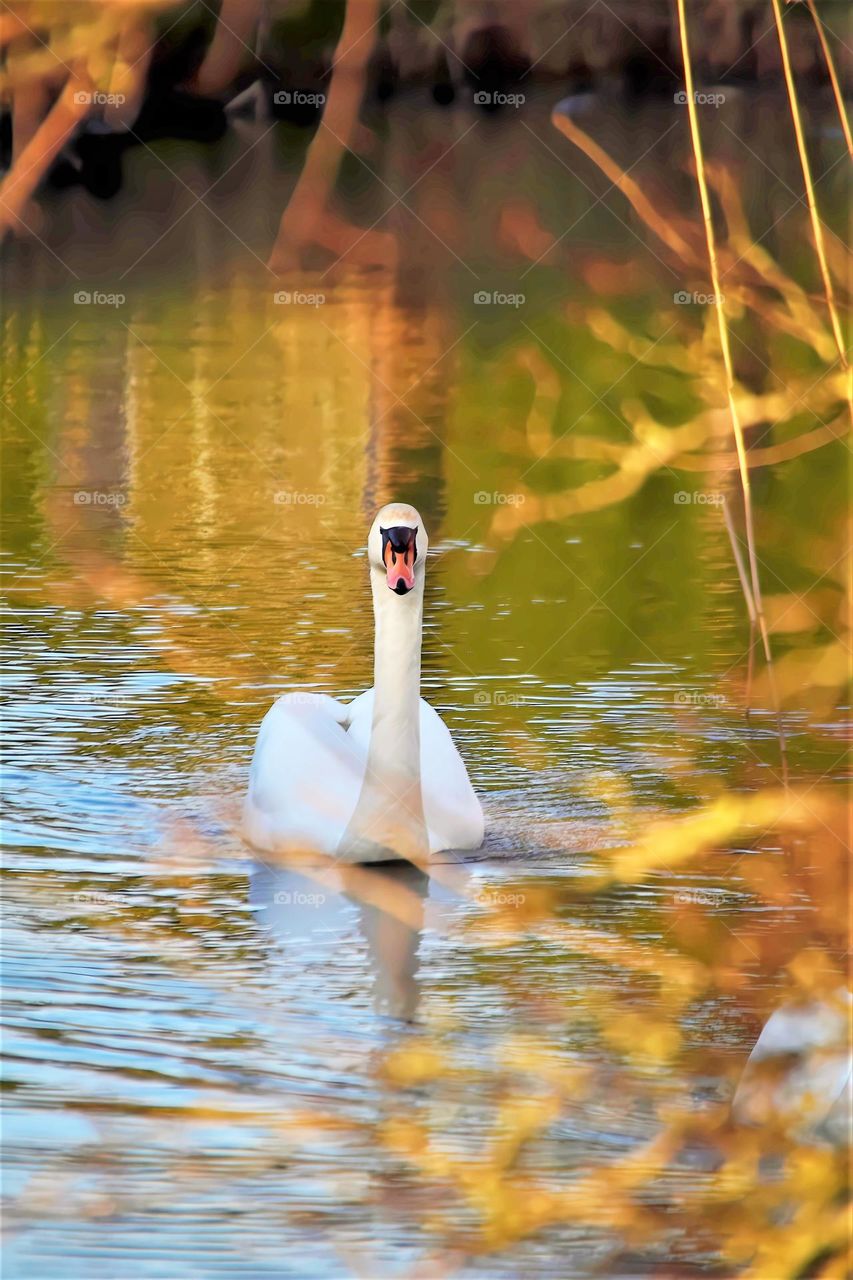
[197, 1043]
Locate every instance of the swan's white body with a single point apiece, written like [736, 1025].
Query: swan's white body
[379, 777]
[800, 1070]
[309, 769]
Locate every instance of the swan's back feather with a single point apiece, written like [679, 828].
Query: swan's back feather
[308, 769]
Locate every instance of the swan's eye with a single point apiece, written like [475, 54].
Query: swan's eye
[399, 553]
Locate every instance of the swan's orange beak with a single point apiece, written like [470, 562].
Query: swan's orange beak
[399, 552]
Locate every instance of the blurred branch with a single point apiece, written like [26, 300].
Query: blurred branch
[308, 219]
[231, 47]
[663, 227]
[31, 165]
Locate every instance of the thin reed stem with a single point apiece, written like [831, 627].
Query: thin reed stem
[728, 366]
[747, 595]
[739, 565]
[722, 324]
[833, 76]
[750, 673]
[817, 227]
[753, 628]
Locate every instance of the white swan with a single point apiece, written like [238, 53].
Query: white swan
[379, 778]
[800, 1071]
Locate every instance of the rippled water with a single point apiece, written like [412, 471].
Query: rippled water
[193, 473]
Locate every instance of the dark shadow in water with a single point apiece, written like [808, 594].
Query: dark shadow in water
[389, 898]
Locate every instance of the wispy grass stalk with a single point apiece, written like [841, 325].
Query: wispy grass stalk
[817, 226]
[833, 77]
[725, 346]
[747, 595]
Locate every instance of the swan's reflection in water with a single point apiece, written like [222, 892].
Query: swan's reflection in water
[799, 1072]
[387, 900]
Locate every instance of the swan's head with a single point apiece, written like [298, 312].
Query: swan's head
[396, 548]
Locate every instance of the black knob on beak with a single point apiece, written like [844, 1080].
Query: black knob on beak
[399, 553]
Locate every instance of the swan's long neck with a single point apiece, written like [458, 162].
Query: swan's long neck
[395, 735]
[389, 814]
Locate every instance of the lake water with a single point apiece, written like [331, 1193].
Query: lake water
[220, 1068]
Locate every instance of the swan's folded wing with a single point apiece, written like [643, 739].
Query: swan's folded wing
[453, 813]
[305, 777]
